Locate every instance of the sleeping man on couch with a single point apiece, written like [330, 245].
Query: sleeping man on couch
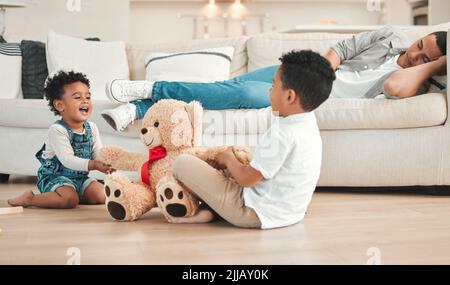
[366, 65]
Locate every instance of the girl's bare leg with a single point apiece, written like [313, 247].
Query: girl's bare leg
[94, 194]
[64, 197]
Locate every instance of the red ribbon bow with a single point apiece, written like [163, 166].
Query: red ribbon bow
[154, 154]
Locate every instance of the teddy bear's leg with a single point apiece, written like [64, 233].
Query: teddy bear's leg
[174, 200]
[126, 200]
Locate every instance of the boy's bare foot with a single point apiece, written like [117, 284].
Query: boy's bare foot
[203, 216]
[23, 200]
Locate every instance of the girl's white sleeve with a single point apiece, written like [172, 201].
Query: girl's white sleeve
[58, 138]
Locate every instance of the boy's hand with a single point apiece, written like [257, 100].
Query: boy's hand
[223, 158]
[214, 164]
[102, 167]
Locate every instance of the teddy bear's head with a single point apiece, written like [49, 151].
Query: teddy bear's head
[173, 125]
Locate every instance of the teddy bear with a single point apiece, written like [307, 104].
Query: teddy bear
[169, 128]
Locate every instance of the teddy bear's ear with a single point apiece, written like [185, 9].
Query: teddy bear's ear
[195, 113]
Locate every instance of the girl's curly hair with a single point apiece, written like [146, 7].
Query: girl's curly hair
[54, 86]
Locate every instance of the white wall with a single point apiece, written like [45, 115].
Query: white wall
[106, 19]
[439, 11]
[156, 22]
[398, 12]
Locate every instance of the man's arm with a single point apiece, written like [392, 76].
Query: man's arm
[406, 82]
[245, 175]
[351, 47]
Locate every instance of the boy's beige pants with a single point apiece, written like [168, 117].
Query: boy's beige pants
[220, 193]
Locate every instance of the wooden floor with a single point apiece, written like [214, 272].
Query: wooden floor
[341, 228]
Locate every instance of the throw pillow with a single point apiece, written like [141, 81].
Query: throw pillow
[34, 69]
[10, 71]
[206, 65]
[438, 84]
[100, 61]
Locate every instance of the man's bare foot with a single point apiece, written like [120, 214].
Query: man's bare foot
[23, 200]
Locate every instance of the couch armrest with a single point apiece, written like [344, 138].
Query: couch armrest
[448, 80]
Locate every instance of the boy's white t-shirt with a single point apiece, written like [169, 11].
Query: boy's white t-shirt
[289, 158]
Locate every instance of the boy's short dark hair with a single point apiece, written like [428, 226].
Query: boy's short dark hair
[441, 40]
[309, 74]
[54, 86]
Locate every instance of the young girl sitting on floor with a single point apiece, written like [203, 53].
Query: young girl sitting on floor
[70, 149]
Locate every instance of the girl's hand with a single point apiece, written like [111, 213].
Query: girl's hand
[103, 167]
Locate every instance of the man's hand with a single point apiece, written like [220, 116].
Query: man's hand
[100, 166]
[333, 58]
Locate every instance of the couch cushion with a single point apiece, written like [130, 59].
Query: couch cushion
[340, 114]
[335, 114]
[265, 49]
[381, 113]
[416, 32]
[203, 65]
[34, 69]
[138, 52]
[10, 71]
[99, 61]
[36, 114]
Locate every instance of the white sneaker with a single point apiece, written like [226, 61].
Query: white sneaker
[120, 117]
[124, 91]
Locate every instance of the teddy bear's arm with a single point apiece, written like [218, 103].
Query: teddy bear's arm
[207, 153]
[243, 153]
[121, 159]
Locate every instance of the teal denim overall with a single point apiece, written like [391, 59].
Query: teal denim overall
[53, 174]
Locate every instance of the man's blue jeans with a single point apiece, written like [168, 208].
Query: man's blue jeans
[247, 91]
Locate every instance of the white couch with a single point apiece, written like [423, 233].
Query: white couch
[366, 142]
